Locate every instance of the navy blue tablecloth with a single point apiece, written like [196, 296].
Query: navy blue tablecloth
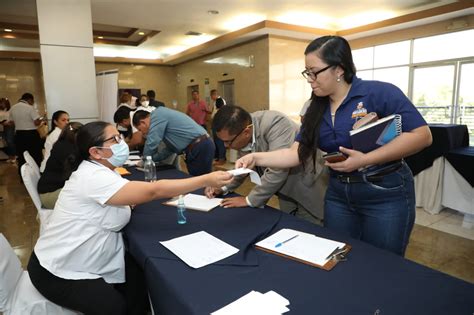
[462, 159]
[371, 279]
[446, 137]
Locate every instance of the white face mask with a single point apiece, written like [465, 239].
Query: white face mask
[145, 103]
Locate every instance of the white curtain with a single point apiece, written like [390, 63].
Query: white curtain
[107, 89]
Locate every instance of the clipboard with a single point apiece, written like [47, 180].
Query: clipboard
[305, 248]
[327, 266]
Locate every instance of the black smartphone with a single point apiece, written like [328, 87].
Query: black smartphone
[334, 157]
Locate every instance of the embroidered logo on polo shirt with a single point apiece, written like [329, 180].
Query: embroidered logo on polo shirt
[359, 112]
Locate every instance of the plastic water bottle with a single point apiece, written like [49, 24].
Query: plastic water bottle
[181, 210]
[150, 170]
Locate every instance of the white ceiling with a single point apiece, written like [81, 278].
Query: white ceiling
[176, 17]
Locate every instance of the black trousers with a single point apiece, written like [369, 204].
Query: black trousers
[28, 140]
[93, 296]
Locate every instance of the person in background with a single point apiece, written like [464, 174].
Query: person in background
[370, 195]
[144, 101]
[180, 134]
[299, 192]
[26, 120]
[126, 101]
[8, 130]
[216, 103]
[123, 122]
[133, 99]
[62, 161]
[197, 109]
[153, 102]
[138, 140]
[80, 261]
[59, 120]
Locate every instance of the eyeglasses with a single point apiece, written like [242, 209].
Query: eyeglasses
[117, 138]
[310, 75]
[229, 142]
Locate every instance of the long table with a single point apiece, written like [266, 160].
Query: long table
[371, 279]
[428, 165]
[446, 137]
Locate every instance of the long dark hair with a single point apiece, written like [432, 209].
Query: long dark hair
[334, 51]
[90, 135]
[72, 160]
[55, 117]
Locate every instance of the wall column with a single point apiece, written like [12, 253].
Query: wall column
[66, 44]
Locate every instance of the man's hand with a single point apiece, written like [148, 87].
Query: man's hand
[234, 202]
[212, 192]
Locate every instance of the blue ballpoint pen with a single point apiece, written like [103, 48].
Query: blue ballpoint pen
[281, 243]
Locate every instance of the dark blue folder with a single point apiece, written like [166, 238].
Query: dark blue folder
[376, 134]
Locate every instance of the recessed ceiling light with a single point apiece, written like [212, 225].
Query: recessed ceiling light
[8, 30]
[100, 37]
[213, 12]
[141, 33]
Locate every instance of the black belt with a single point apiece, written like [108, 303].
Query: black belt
[371, 176]
[196, 141]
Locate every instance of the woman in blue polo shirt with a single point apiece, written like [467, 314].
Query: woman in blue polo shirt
[377, 204]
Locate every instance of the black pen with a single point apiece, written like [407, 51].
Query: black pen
[334, 253]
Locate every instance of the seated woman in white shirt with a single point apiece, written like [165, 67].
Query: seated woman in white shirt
[59, 120]
[80, 262]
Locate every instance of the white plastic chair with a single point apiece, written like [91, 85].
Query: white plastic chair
[29, 159]
[30, 179]
[18, 296]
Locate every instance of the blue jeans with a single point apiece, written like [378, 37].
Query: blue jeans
[381, 213]
[220, 147]
[199, 158]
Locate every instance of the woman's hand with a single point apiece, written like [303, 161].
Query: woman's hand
[355, 160]
[247, 161]
[218, 179]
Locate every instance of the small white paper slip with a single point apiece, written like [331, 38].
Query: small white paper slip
[197, 202]
[253, 175]
[134, 157]
[256, 303]
[199, 249]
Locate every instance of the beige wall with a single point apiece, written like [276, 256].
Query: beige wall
[288, 89]
[161, 79]
[250, 83]
[21, 76]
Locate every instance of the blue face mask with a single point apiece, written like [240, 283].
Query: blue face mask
[120, 153]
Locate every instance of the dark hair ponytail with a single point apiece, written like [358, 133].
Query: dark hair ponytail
[55, 117]
[334, 51]
[90, 135]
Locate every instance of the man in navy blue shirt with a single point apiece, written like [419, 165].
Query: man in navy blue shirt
[181, 135]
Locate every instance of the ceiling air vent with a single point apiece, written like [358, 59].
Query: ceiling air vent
[192, 33]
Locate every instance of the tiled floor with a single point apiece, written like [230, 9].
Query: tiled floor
[438, 241]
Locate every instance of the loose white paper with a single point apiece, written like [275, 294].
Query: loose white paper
[134, 157]
[131, 163]
[199, 249]
[254, 302]
[197, 202]
[307, 247]
[254, 177]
